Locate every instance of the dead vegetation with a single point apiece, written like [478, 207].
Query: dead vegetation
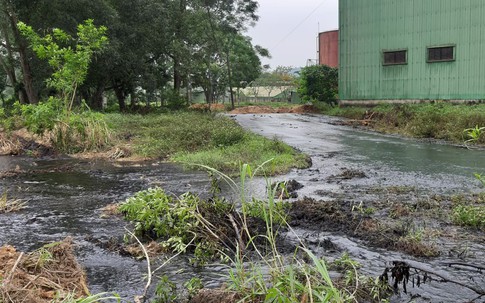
[10, 205]
[21, 142]
[49, 273]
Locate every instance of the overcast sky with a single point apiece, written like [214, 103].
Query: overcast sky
[289, 29]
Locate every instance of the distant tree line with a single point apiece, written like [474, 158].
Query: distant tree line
[157, 50]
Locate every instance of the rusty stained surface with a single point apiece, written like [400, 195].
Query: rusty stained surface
[328, 48]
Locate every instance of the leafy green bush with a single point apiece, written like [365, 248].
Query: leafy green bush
[179, 222]
[158, 215]
[42, 117]
[319, 83]
[258, 208]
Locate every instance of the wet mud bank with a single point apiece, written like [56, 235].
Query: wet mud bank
[65, 197]
[386, 200]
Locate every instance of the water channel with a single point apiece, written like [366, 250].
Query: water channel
[66, 202]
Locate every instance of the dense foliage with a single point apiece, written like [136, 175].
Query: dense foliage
[177, 221]
[157, 48]
[319, 83]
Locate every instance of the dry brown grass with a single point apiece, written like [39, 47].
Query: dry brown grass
[51, 272]
[10, 205]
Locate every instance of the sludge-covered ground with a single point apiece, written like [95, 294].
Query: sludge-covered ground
[380, 199]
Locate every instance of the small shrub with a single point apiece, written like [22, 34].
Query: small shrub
[42, 117]
[179, 222]
[258, 208]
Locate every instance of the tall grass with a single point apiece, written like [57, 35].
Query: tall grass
[85, 131]
[302, 277]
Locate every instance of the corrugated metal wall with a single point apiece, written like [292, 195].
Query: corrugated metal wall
[328, 48]
[368, 27]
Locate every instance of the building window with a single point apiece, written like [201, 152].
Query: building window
[441, 54]
[395, 57]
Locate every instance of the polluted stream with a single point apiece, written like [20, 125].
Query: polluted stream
[349, 166]
[361, 170]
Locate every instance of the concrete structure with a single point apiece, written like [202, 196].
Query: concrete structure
[412, 50]
[328, 48]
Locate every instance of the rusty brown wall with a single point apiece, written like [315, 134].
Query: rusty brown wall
[328, 48]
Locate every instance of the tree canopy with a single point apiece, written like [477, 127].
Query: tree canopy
[156, 48]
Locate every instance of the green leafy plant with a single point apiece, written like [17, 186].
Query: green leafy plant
[181, 223]
[166, 291]
[193, 286]
[474, 134]
[70, 58]
[41, 117]
[258, 208]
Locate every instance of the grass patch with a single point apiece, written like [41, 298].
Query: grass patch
[469, 215]
[254, 150]
[202, 138]
[439, 121]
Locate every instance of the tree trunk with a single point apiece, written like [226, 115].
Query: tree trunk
[28, 86]
[177, 75]
[121, 96]
[97, 97]
[28, 79]
[229, 76]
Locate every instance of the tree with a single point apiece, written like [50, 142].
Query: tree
[319, 83]
[68, 56]
[14, 52]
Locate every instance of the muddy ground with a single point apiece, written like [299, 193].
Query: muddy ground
[381, 199]
[385, 199]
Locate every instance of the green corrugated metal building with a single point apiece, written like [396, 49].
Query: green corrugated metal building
[412, 50]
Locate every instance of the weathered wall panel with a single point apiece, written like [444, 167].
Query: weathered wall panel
[328, 48]
[371, 26]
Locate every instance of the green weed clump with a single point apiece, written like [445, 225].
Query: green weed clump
[86, 131]
[78, 131]
[179, 222]
[258, 271]
[469, 215]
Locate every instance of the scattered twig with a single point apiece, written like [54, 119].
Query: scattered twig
[6, 281]
[238, 234]
[450, 264]
[149, 268]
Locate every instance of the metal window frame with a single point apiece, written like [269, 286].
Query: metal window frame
[453, 46]
[384, 51]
